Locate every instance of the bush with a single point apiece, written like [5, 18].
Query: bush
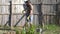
[27, 30]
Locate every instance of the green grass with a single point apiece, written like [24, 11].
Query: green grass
[52, 29]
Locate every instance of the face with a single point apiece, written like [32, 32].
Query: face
[27, 3]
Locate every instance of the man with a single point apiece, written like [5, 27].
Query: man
[29, 11]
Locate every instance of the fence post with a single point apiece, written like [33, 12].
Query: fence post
[10, 13]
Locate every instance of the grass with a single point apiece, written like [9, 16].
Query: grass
[26, 30]
[50, 29]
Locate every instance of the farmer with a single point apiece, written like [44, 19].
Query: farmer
[29, 11]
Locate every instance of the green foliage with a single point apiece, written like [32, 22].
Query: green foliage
[23, 31]
[26, 30]
[52, 29]
[29, 30]
[17, 30]
[32, 29]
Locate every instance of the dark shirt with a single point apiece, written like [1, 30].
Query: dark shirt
[28, 9]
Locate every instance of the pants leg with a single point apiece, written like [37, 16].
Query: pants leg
[31, 19]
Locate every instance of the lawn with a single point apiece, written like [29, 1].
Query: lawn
[49, 29]
[52, 29]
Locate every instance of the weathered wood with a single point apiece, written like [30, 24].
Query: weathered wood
[48, 9]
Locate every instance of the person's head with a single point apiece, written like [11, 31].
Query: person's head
[27, 2]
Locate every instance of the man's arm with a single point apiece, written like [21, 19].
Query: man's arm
[31, 11]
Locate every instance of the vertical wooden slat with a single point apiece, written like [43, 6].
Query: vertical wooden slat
[0, 19]
[12, 20]
[5, 19]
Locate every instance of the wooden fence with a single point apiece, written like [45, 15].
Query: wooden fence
[11, 14]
